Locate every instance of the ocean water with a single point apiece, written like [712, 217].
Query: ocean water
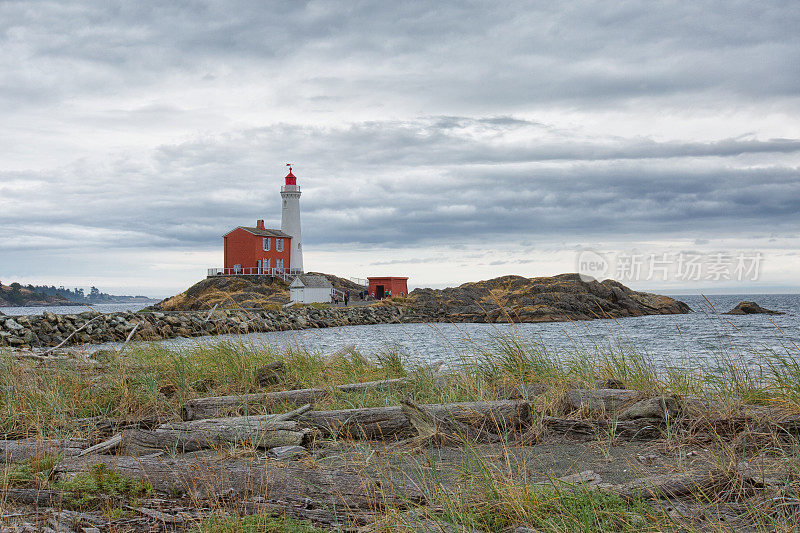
[702, 337]
[72, 309]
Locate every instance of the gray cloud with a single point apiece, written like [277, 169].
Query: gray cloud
[191, 193]
[457, 55]
[159, 126]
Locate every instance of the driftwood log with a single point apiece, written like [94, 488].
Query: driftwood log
[594, 401]
[106, 427]
[177, 439]
[34, 497]
[331, 517]
[442, 429]
[261, 431]
[210, 477]
[641, 429]
[12, 451]
[496, 417]
[702, 481]
[216, 406]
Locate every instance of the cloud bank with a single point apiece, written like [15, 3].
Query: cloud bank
[152, 129]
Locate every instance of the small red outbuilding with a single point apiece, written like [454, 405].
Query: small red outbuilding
[381, 286]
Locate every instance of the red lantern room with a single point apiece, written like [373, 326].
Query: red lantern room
[291, 179]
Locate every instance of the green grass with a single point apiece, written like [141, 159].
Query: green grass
[100, 483]
[259, 523]
[557, 509]
[30, 471]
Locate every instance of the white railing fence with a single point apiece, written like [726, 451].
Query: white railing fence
[360, 281]
[285, 274]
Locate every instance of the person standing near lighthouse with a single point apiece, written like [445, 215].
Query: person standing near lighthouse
[290, 219]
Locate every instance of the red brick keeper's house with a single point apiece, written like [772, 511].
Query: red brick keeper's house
[257, 250]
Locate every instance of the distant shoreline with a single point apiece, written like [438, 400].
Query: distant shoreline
[85, 304]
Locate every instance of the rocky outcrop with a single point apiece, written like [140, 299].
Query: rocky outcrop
[236, 292]
[50, 329]
[545, 299]
[229, 292]
[752, 308]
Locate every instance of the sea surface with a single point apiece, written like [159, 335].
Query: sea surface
[702, 337]
[72, 309]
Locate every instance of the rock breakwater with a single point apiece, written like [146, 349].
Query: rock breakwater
[506, 299]
[89, 327]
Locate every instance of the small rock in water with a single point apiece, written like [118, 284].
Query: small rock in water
[752, 308]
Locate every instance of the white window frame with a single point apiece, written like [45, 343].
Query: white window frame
[266, 244]
[265, 264]
[278, 245]
[279, 264]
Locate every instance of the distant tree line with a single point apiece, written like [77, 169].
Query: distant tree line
[18, 294]
[73, 295]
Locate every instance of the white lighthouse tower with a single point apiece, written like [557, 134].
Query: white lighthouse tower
[290, 219]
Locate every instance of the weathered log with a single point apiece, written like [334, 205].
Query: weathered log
[698, 482]
[212, 477]
[216, 406]
[264, 431]
[592, 401]
[34, 497]
[443, 429]
[331, 517]
[641, 429]
[12, 451]
[177, 439]
[519, 391]
[497, 417]
[101, 447]
[786, 428]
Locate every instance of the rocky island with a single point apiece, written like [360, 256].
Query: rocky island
[245, 305]
[752, 308]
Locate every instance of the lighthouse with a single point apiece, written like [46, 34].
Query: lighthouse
[290, 219]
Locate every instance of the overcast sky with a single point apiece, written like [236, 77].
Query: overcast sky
[445, 141]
